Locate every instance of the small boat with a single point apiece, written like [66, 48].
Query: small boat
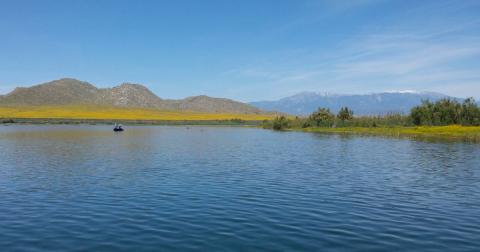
[118, 128]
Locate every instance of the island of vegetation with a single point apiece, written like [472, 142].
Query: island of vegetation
[445, 118]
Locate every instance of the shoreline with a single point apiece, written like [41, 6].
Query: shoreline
[67, 121]
[73, 113]
[451, 132]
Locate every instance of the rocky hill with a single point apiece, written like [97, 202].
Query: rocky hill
[74, 92]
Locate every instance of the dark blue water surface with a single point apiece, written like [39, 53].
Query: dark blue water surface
[77, 188]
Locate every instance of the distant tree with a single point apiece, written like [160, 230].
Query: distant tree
[280, 123]
[237, 121]
[322, 117]
[470, 112]
[423, 114]
[345, 114]
[445, 112]
[306, 124]
[267, 124]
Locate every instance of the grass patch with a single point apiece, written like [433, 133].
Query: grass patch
[115, 113]
[456, 132]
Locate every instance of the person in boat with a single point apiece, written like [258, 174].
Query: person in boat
[118, 127]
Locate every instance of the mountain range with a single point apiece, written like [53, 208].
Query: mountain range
[74, 92]
[366, 104]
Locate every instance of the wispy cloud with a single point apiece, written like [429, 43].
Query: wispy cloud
[404, 55]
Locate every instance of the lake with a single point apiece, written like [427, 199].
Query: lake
[77, 188]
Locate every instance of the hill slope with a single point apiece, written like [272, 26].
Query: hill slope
[369, 104]
[60, 92]
[74, 92]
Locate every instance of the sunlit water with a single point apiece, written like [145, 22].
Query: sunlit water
[233, 189]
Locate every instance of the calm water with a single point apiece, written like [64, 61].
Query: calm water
[233, 189]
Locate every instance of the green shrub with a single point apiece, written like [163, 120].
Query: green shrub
[322, 118]
[446, 112]
[345, 114]
[280, 123]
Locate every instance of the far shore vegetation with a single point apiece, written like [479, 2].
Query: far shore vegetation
[446, 118]
[47, 121]
[75, 114]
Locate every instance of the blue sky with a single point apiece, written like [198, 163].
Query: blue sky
[245, 50]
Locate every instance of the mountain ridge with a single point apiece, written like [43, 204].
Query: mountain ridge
[69, 91]
[380, 103]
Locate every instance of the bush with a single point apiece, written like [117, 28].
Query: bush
[8, 121]
[470, 114]
[322, 118]
[237, 121]
[446, 112]
[267, 124]
[280, 123]
[443, 112]
[345, 114]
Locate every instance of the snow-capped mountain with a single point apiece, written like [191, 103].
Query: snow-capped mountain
[365, 104]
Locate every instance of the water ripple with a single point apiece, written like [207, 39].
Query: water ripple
[78, 188]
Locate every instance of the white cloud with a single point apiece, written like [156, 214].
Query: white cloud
[440, 56]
